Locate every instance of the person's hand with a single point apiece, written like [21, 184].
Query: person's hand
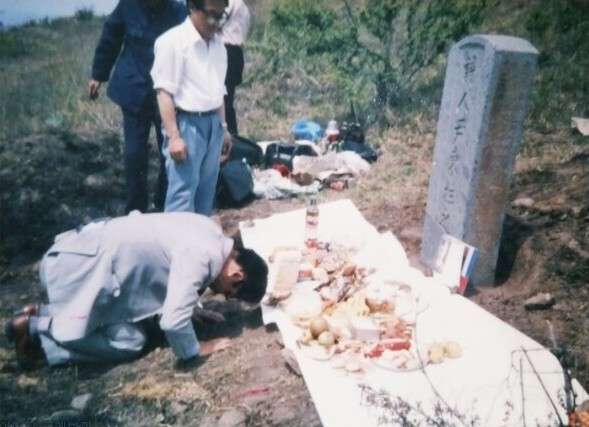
[177, 149]
[202, 314]
[214, 345]
[93, 86]
[227, 144]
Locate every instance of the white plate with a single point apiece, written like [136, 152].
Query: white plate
[404, 360]
[317, 352]
[383, 316]
[414, 365]
[408, 308]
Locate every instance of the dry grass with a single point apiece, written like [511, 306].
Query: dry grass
[44, 86]
[537, 151]
[182, 389]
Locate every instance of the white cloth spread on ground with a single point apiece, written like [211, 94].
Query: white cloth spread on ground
[344, 162]
[503, 377]
[270, 184]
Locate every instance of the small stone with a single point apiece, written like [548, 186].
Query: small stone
[283, 415]
[413, 234]
[176, 408]
[523, 202]
[539, 302]
[81, 402]
[232, 418]
[575, 246]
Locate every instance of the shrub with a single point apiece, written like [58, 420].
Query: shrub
[12, 46]
[380, 54]
[85, 14]
[559, 31]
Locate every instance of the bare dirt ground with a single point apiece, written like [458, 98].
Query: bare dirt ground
[53, 182]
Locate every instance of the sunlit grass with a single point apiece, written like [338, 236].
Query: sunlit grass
[45, 68]
[44, 86]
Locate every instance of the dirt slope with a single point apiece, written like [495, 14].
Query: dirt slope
[54, 181]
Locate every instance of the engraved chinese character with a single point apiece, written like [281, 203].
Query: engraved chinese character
[470, 65]
[449, 195]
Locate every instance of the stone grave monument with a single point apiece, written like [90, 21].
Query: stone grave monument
[488, 83]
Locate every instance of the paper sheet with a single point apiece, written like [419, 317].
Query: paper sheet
[500, 378]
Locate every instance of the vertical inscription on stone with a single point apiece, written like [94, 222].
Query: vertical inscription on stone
[488, 80]
[455, 163]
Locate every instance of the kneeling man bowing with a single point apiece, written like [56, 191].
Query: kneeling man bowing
[102, 280]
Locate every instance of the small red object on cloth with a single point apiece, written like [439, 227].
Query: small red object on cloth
[284, 170]
[392, 344]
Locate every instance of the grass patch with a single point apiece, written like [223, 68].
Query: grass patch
[46, 66]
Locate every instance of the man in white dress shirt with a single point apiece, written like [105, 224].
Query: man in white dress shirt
[104, 279]
[234, 31]
[189, 77]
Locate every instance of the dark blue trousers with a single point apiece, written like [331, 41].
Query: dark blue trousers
[234, 77]
[136, 157]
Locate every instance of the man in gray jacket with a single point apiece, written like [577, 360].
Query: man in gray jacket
[102, 280]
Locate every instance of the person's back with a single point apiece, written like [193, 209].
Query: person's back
[234, 30]
[126, 44]
[147, 252]
[137, 235]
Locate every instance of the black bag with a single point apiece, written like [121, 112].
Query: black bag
[235, 184]
[351, 132]
[243, 148]
[281, 153]
[362, 149]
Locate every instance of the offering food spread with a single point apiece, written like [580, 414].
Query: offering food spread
[358, 317]
[352, 320]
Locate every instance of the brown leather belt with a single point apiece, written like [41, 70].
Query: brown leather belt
[197, 113]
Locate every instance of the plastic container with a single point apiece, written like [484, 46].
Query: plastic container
[307, 129]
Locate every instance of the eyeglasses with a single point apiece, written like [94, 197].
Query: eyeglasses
[211, 16]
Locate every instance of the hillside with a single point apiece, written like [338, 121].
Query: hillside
[60, 165]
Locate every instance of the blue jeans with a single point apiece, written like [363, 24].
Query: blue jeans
[192, 184]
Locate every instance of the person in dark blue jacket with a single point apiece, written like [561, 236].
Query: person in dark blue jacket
[127, 40]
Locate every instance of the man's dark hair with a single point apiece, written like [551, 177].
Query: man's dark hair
[200, 4]
[256, 275]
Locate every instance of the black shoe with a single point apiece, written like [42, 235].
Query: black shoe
[28, 348]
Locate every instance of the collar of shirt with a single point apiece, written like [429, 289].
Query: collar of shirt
[190, 32]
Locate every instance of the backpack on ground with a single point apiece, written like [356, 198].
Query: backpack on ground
[235, 185]
[244, 148]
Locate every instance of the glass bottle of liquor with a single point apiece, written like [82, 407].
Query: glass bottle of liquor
[333, 135]
[312, 223]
